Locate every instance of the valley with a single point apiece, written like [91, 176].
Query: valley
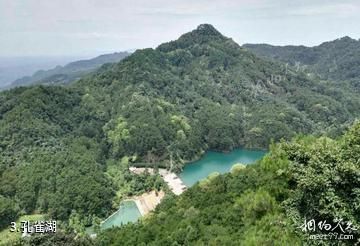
[211, 163]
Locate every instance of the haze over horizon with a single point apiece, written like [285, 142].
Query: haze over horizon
[93, 27]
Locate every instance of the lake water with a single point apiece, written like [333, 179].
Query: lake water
[217, 162]
[128, 212]
[193, 172]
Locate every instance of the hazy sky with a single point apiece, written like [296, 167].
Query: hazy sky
[90, 27]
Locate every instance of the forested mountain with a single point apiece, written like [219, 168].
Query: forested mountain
[213, 94]
[337, 60]
[65, 150]
[69, 72]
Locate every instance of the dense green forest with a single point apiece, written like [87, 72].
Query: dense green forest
[65, 150]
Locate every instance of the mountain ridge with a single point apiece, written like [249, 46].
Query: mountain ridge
[202, 34]
[69, 72]
[336, 60]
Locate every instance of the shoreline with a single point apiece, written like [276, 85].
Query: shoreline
[174, 182]
[221, 152]
[138, 204]
[198, 157]
[102, 222]
[145, 203]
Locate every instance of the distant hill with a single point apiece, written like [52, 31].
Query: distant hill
[12, 68]
[69, 72]
[336, 60]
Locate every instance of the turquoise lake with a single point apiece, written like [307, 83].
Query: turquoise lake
[217, 162]
[128, 212]
[193, 172]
